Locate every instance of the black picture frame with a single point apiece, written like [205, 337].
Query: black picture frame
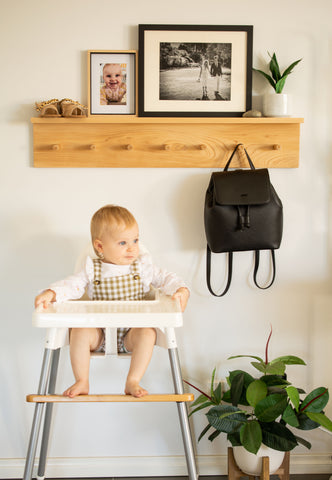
[169, 84]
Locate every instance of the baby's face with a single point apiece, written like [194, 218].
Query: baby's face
[120, 245]
[112, 75]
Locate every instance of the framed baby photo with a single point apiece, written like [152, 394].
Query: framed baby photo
[195, 70]
[112, 82]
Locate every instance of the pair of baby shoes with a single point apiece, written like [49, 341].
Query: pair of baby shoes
[61, 108]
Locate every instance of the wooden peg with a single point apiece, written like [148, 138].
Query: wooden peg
[55, 147]
[242, 155]
[276, 146]
[129, 147]
[92, 147]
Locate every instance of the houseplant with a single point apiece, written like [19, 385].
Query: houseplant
[257, 411]
[277, 103]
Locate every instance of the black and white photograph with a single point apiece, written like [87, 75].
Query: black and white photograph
[195, 70]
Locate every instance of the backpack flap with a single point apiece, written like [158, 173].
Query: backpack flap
[241, 187]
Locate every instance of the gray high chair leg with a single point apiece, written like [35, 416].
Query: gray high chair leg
[39, 408]
[48, 416]
[183, 414]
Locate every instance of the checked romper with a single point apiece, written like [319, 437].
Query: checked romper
[125, 287]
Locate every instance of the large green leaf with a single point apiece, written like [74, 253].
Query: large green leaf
[217, 394]
[256, 391]
[234, 439]
[289, 360]
[251, 436]
[271, 407]
[226, 418]
[289, 416]
[247, 380]
[276, 368]
[278, 437]
[320, 418]
[315, 401]
[294, 396]
[280, 84]
[199, 400]
[303, 442]
[305, 423]
[237, 388]
[274, 380]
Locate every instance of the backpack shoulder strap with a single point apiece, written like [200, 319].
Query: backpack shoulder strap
[208, 272]
[257, 267]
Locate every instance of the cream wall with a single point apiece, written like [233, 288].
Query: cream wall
[45, 217]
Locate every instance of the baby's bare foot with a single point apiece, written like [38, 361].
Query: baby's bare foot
[81, 387]
[134, 389]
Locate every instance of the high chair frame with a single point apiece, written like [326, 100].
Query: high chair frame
[160, 312]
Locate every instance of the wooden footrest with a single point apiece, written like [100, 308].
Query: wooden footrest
[173, 397]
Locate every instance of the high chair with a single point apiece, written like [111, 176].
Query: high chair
[158, 311]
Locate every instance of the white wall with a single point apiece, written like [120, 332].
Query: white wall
[45, 216]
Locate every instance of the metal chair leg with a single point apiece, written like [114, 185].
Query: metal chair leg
[183, 415]
[39, 408]
[48, 416]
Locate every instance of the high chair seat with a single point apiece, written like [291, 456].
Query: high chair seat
[157, 311]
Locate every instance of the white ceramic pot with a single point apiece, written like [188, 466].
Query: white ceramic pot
[276, 105]
[252, 464]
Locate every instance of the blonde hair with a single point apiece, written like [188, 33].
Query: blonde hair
[108, 217]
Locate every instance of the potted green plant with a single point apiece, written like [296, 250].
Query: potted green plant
[277, 103]
[258, 411]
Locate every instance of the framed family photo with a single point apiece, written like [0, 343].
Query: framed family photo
[112, 82]
[195, 70]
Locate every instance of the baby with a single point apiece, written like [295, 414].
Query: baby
[114, 89]
[120, 272]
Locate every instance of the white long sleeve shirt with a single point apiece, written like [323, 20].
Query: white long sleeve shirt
[74, 286]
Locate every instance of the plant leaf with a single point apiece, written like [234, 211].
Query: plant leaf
[289, 416]
[320, 418]
[256, 391]
[278, 437]
[303, 442]
[277, 368]
[237, 388]
[212, 381]
[226, 418]
[289, 360]
[199, 400]
[247, 356]
[201, 407]
[214, 435]
[305, 423]
[251, 436]
[315, 401]
[217, 394]
[271, 407]
[274, 381]
[290, 68]
[204, 431]
[294, 396]
[234, 438]
[274, 67]
[280, 84]
[260, 366]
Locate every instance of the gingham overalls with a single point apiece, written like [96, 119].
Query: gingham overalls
[124, 287]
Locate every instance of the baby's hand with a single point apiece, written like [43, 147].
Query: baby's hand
[183, 294]
[45, 298]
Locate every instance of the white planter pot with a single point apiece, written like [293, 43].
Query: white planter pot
[252, 464]
[276, 105]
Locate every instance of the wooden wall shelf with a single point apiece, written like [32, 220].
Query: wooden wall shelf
[136, 142]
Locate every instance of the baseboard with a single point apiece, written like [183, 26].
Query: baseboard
[151, 466]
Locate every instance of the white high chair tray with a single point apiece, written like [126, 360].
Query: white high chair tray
[160, 312]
